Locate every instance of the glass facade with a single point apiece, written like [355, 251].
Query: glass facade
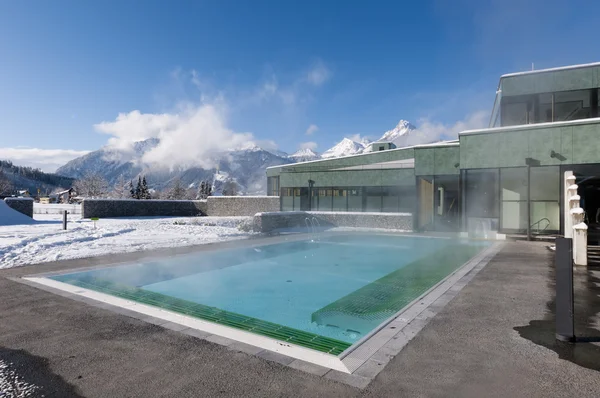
[547, 107]
[391, 199]
[273, 186]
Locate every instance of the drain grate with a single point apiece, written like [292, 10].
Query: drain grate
[212, 314]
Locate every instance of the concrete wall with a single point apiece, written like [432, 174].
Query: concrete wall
[573, 142]
[557, 80]
[216, 206]
[296, 220]
[22, 205]
[437, 161]
[231, 206]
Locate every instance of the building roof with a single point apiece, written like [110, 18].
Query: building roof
[433, 144]
[551, 69]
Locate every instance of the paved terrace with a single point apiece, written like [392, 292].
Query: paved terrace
[495, 338]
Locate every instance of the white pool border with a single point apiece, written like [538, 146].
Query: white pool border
[356, 366]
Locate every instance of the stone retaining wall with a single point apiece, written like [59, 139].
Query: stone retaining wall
[22, 205]
[106, 208]
[296, 220]
[216, 206]
[230, 206]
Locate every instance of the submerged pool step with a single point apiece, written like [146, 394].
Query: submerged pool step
[212, 314]
[370, 305]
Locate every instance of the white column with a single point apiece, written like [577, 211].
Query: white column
[569, 180]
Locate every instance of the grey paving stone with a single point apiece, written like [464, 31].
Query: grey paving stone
[196, 333]
[309, 367]
[174, 326]
[370, 369]
[275, 357]
[224, 341]
[352, 380]
[245, 348]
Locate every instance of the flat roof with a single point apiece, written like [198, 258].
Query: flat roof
[531, 126]
[551, 69]
[433, 144]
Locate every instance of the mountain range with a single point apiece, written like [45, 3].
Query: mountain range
[246, 165]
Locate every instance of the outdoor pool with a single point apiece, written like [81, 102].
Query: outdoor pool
[325, 294]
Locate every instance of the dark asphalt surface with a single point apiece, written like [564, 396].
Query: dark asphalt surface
[491, 340]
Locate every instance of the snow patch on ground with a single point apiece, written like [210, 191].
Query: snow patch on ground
[12, 385]
[45, 240]
[9, 216]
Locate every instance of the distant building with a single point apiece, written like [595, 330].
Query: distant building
[67, 196]
[23, 193]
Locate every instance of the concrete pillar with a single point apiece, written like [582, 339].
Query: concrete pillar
[580, 244]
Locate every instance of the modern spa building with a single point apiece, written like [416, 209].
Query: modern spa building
[507, 176]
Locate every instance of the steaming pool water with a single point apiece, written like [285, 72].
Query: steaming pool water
[324, 294]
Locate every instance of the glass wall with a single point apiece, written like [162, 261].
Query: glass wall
[545, 199]
[273, 186]
[355, 199]
[513, 195]
[391, 199]
[549, 107]
[446, 203]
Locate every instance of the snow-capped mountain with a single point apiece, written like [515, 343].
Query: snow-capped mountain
[345, 147]
[303, 155]
[399, 135]
[245, 165]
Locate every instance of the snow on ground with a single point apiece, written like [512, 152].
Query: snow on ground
[9, 216]
[45, 240]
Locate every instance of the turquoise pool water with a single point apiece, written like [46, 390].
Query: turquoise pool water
[339, 287]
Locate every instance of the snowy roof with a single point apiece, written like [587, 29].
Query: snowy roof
[551, 69]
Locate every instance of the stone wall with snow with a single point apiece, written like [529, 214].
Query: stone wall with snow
[107, 208]
[230, 206]
[296, 220]
[216, 206]
[22, 205]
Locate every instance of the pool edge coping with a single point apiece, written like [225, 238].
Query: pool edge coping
[356, 368]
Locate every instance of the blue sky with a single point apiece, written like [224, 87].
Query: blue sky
[264, 70]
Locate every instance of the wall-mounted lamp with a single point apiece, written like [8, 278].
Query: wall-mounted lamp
[532, 162]
[456, 165]
[556, 155]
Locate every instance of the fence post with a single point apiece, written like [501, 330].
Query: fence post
[65, 219]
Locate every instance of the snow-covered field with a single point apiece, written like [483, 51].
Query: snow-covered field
[45, 240]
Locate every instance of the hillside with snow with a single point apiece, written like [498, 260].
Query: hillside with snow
[245, 164]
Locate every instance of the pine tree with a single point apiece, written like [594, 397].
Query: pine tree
[145, 190]
[132, 190]
[138, 188]
[177, 191]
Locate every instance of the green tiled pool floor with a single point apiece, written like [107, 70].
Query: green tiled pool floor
[379, 300]
[212, 314]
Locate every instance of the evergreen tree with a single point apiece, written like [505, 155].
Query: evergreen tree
[131, 190]
[177, 191]
[145, 191]
[138, 188]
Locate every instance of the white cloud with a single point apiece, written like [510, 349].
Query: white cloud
[197, 135]
[47, 160]
[431, 131]
[360, 138]
[313, 128]
[318, 74]
[309, 145]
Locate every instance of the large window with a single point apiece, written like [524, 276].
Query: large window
[355, 199]
[273, 186]
[545, 199]
[513, 192]
[340, 199]
[287, 199]
[549, 107]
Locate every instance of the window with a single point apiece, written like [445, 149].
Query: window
[340, 199]
[273, 186]
[513, 195]
[545, 199]
[355, 199]
[287, 199]
[382, 148]
[572, 105]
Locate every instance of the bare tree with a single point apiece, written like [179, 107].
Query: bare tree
[91, 185]
[121, 189]
[177, 191]
[6, 187]
[230, 188]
